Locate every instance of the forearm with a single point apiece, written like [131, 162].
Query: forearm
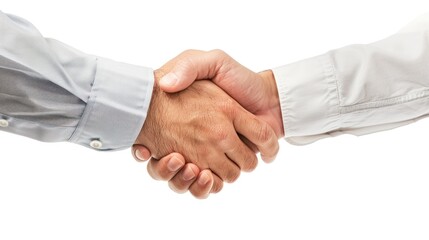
[52, 92]
[357, 89]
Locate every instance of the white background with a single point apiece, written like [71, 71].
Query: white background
[370, 187]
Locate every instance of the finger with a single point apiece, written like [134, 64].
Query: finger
[224, 167]
[249, 144]
[238, 152]
[140, 153]
[165, 168]
[192, 65]
[206, 183]
[202, 187]
[181, 182]
[259, 133]
[217, 184]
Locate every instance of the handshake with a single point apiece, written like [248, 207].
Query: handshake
[202, 133]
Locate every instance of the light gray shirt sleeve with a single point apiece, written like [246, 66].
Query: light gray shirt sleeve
[52, 92]
[357, 89]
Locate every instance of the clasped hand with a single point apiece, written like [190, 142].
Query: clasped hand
[202, 133]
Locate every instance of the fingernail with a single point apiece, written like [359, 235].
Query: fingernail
[169, 80]
[139, 155]
[174, 164]
[203, 179]
[188, 174]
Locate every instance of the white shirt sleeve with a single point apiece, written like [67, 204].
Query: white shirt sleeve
[357, 89]
[52, 92]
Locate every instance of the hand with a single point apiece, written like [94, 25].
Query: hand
[181, 176]
[256, 92]
[203, 124]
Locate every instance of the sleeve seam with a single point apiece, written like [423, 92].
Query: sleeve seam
[385, 102]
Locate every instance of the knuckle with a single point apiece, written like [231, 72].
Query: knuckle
[228, 105]
[217, 187]
[272, 156]
[265, 133]
[221, 56]
[199, 193]
[185, 65]
[158, 170]
[185, 62]
[163, 174]
[251, 163]
[177, 188]
[220, 135]
[188, 52]
[152, 172]
[232, 176]
[218, 52]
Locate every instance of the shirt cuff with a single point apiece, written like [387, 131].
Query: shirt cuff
[117, 106]
[309, 99]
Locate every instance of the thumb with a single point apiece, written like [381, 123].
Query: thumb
[189, 68]
[140, 153]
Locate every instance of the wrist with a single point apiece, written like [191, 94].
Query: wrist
[274, 102]
[148, 128]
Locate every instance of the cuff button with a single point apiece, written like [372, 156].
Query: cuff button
[96, 144]
[4, 123]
